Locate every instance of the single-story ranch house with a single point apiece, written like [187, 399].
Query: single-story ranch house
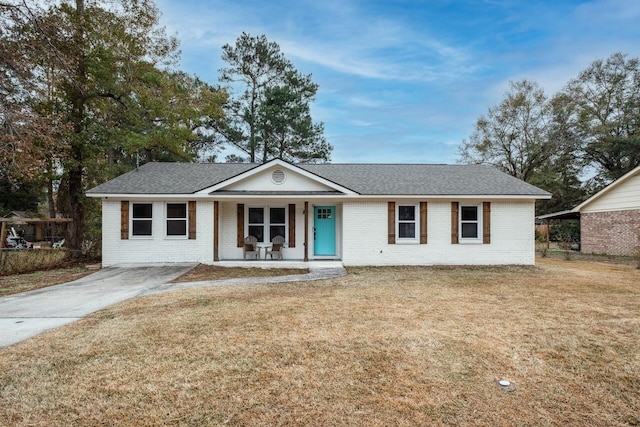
[360, 214]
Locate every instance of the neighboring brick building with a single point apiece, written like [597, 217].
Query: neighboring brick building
[610, 220]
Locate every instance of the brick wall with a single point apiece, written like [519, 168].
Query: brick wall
[613, 233]
[365, 236]
[361, 236]
[157, 247]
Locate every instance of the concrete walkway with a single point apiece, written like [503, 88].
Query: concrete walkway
[317, 271]
[30, 313]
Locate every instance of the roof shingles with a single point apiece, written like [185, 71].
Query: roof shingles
[364, 179]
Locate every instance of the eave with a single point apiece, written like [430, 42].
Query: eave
[235, 195]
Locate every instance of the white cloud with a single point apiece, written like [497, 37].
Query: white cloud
[336, 35]
[398, 79]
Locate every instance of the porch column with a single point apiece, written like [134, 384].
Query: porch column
[306, 231]
[547, 232]
[216, 227]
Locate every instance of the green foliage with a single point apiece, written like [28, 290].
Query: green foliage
[18, 196]
[97, 73]
[565, 231]
[514, 135]
[286, 127]
[558, 143]
[268, 112]
[606, 114]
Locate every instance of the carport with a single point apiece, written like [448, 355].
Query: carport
[561, 215]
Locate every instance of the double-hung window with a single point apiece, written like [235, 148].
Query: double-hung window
[407, 224]
[256, 223]
[176, 219]
[470, 223]
[277, 222]
[141, 219]
[265, 223]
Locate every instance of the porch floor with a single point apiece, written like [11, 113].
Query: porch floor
[263, 263]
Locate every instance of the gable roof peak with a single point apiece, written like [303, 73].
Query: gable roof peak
[633, 172]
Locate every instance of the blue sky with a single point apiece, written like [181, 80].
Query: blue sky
[404, 81]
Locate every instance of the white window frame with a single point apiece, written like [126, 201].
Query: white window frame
[185, 219]
[478, 222]
[267, 221]
[285, 224]
[416, 209]
[132, 220]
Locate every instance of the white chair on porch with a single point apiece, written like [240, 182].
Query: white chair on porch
[277, 243]
[250, 247]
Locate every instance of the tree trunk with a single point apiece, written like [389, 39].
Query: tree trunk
[50, 200]
[76, 228]
[75, 167]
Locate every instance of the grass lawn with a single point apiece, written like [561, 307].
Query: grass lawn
[16, 283]
[212, 272]
[379, 347]
[24, 282]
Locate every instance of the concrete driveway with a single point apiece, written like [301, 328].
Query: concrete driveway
[31, 313]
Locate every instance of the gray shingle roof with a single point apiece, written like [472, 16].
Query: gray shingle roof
[413, 179]
[364, 179]
[171, 178]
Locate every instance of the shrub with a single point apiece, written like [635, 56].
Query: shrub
[565, 230]
[565, 245]
[25, 261]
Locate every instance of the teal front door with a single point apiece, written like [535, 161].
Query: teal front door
[324, 230]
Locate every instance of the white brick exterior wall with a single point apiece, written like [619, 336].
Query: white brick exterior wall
[228, 229]
[365, 237]
[361, 236]
[158, 247]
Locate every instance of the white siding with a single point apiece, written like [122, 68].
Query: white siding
[625, 196]
[156, 248]
[293, 182]
[365, 237]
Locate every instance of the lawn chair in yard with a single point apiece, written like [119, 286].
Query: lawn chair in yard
[276, 248]
[15, 241]
[250, 247]
[58, 245]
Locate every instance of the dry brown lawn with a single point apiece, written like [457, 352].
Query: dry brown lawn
[379, 347]
[27, 261]
[212, 272]
[24, 282]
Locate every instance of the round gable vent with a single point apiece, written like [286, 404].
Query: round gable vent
[278, 176]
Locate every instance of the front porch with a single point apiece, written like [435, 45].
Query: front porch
[312, 229]
[262, 263]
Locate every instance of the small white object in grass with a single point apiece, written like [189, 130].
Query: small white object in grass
[504, 383]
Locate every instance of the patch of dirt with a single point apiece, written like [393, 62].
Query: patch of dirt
[211, 272]
[577, 256]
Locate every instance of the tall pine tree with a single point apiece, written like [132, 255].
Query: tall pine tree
[268, 113]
